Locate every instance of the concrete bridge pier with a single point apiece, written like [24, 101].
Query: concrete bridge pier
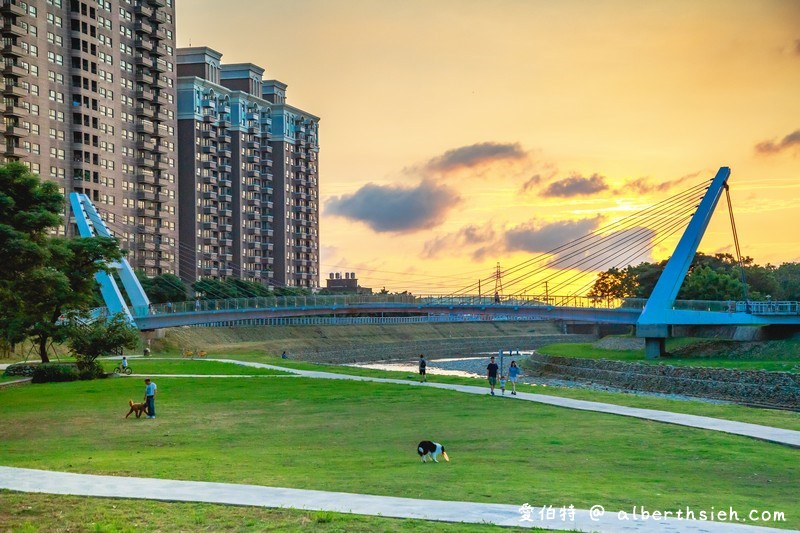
[655, 338]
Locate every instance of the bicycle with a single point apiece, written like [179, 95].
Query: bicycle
[123, 370]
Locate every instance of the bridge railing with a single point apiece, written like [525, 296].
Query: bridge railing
[332, 302]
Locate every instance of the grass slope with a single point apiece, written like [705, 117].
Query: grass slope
[361, 437]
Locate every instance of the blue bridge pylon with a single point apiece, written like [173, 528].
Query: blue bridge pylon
[91, 225]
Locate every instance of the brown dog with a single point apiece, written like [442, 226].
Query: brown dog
[138, 408]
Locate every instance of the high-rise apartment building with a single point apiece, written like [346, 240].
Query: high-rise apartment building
[89, 103]
[248, 177]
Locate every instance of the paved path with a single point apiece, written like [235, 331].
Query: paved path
[781, 436]
[27, 480]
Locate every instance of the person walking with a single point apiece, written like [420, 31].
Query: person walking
[513, 374]
[491, 374]
[150, 390]
[423, 366]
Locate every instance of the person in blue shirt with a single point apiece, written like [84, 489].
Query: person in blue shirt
[150, 390]
[124, 363]
[513, 374]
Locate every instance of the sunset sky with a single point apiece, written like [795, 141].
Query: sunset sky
[456, 134]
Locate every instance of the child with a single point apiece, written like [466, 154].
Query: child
[422, 368]
[124, 363]
[503, 385]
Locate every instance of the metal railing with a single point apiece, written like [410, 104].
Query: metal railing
[330, 303]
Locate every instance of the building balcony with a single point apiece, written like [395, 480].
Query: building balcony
[251, 116]
[143, 61]
[145, 93]
[16, 131]
[226, 228]
[12, 89]
[14, 30]
[11, 8]
[15, 111]
[145, 111]
[162, 164]
[251, 231]
[144, 44]
[208, 195]
[209, 149]
[160, 98]
[208, 210]
[253, 159]
[208, 180]
[208, 134]
[209, 272]
[252, 145]
[146, 195]
[224, 121]
[162, 115]
[226, 213]
[160, 65]
[223, 182]
[208, 225]
[252, 245]
[209, 118]
[252, 173]
[14, 71]
[148, 145]
[143, 10]
[143, 26]
[145, 126]
[149, 213]
[161, 82]
[146, 246]
[211, 165]
[144, 77]
[224, 137]
[252, 187]
[159, 50]
[146, 178]
[252, 202]
[15, 151]
[159, 17]
[160, 131]
[208, 241]
[148, 162]
[158, 3]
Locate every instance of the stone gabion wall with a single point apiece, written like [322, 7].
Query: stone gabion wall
[435, 348]
[769, 389]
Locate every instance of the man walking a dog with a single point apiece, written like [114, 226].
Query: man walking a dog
[150, 390]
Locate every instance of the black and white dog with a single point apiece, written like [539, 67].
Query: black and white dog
[430, 449]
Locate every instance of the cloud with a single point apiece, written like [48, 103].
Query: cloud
[771, 147]
[544, 238]
[475, 155]
[576, 185]
[394, 208]
[468, 236]
[534, 180]
[644, 186]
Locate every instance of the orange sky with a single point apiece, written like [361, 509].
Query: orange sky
[449, 125]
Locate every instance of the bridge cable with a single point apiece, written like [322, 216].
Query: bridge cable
[736, 245]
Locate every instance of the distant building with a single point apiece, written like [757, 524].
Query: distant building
[247, 174]
[347, 284]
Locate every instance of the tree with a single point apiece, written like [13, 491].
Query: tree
[163, 288]
[704, 283]
[88, 341]
[788, 277]
[614, 283]
[42, 278]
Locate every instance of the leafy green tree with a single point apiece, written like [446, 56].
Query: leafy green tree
[788, 277]
[163, 288]
[42, 278]
[28, 209]
[614, 283]
[88, 341]
[705, 283]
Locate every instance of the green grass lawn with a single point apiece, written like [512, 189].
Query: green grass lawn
[29, 513]
[361, 437]
[766, 417]
[773, 357]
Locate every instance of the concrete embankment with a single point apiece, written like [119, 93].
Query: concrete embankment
[769, 389]
[363, 343]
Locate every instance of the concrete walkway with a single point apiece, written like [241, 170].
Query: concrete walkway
[611, 521]
[767, 433]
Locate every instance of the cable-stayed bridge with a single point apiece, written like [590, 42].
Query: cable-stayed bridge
[551, 285]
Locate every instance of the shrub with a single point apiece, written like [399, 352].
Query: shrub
[20, 369]
[52, 373]
[89, 369]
